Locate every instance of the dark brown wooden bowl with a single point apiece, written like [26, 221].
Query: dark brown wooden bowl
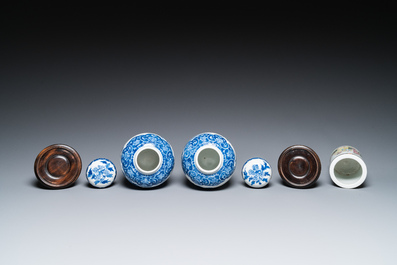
[299, 166]
[57, 166]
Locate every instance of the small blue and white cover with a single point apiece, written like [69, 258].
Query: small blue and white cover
[256, 172]
[101, 173]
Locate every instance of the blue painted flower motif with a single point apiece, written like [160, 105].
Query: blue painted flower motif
[256, 172]
[130, 170]
[218, 178]
[101, 173]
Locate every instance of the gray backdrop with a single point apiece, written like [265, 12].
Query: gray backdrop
[263, 84]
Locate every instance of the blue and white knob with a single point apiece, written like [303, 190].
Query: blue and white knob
[256, 172]
[101, 173]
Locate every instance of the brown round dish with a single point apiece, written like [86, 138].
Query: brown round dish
[57, 166]
[299, 166]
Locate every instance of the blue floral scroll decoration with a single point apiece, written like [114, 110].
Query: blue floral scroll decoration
[222, 175]
[258, 174]
[131, 172]
[101, 172]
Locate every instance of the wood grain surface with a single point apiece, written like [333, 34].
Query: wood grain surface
[57, 166]
[299, 166]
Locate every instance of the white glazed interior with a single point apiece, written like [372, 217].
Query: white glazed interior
[348, 171]
[208, 159]
[148, 159]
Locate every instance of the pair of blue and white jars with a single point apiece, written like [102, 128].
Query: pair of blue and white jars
[208, 160]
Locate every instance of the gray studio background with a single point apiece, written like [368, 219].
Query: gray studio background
[264, 89]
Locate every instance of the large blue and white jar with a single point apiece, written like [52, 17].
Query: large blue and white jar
[208, 160]
[147, 160]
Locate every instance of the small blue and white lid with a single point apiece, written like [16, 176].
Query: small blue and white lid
[256, 172]
[101, 173]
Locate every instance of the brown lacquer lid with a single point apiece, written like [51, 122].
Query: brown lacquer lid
[57, 166]
[299, 166]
